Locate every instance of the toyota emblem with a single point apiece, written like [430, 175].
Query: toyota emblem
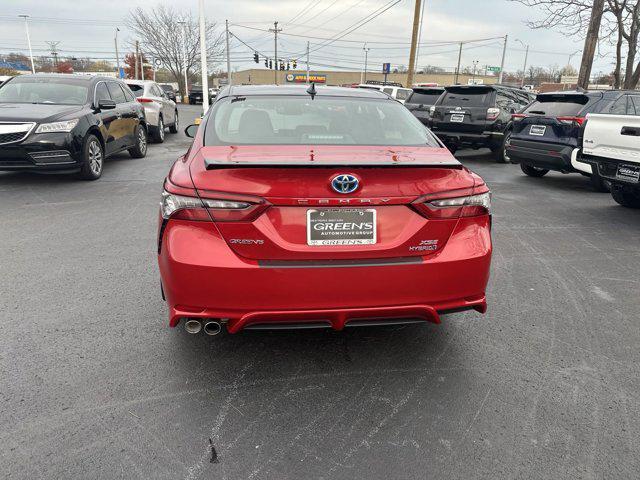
[345, 183]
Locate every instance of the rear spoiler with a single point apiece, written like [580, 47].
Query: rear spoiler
[217, 163]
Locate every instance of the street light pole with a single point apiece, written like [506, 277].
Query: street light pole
[26, 28]
[203, 58]
[366, 55]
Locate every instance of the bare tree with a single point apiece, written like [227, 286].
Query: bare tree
[572, 18]
[160, 33]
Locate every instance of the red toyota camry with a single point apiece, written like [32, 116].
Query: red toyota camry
[302, 207]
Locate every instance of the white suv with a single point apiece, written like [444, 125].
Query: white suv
[160, 111]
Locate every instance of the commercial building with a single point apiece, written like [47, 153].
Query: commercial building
[257, 76]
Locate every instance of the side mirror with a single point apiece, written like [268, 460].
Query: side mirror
[105, 104]
[191, 131]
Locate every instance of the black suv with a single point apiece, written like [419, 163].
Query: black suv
[169, 91]
[547, 135]
[68, 123]
[477, 116]
[421, 100]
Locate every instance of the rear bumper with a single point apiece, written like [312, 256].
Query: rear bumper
[485, 138]
[203, 278]
[608, 167]
[550, 156]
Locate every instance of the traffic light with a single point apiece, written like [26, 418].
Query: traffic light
[294, 64]
[271, 64]
[288, 66]
[281, 65]
[266, 63]
[256, 58]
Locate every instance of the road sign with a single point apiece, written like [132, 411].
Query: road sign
[386, 68]
[493, 69]
[121, 72]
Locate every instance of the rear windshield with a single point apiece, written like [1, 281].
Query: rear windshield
[467, 97]
[299, 120]
[557, 105]
[138, 90]
[56, 91]
[427, 97]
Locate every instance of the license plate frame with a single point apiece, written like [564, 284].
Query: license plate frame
[537, 130]
[341, 236]
[457, 118]
[630, 173]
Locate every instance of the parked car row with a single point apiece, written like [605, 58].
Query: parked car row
[593, 133]
[57, 123]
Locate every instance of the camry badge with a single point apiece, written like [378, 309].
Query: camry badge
[345, 183]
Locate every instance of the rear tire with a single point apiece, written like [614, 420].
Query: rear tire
[140, 148]
[533, 171]
[599, 184]
[501, 151]
[625, 197]
[93, 156]
[174, 128]
[158, 132]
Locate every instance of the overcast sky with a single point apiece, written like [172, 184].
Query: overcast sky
[86, 28]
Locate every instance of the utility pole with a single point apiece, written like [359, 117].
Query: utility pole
[524, 69]
[590, 43]
[366, 55]
[414, 41]
[504, 51]
[117, 54]
[275, 31]
[229, 79]
[137, 58]
[473, 77]
[526, 56]
[54, 52]
[26, 28]
[307, 62]
[458, 67]
[203, 58]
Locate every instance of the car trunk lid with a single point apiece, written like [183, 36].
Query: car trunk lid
[297, 187]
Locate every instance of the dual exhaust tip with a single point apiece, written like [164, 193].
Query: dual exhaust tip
[210, 327]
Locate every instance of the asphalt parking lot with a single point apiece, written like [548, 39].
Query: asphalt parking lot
[93, 383]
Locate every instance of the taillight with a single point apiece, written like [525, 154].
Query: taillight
[454, 207]
[492, 113]
[144, 100]
[578, 121]
[181, 207]
[516, 117]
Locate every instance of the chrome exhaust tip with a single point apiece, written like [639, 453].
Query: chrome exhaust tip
[192, 326]
[212, 327]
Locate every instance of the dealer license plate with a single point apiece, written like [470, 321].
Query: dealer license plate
[537, 130]
[628, 173]
[457, 117]
[341, 227]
